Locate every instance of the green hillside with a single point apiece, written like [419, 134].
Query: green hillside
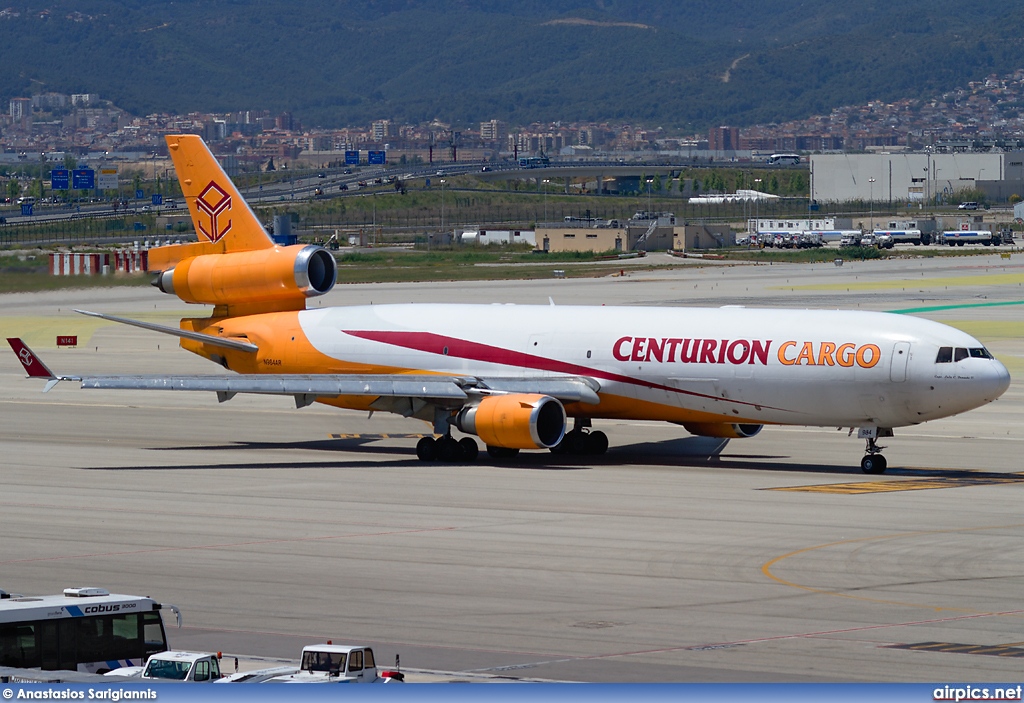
[335, 63]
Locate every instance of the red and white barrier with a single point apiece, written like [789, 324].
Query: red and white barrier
[131, 260]
[78, 264]
[124, 260]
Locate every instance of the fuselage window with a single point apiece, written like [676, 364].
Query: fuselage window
[980, 353]
[945, 355]
[959, 354]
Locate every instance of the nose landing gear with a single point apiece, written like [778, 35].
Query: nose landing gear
[873, 462]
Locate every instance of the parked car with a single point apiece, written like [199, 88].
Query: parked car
[967, 206]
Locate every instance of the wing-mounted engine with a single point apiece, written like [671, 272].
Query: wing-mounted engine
[515, 421]
[724, 430]
[271, 275]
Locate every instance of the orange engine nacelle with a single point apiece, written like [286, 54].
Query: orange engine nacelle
[515, 421]
[722, 429]
[260, 276]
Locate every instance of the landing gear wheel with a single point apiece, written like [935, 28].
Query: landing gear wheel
[873, 464]
[562, 447]
[597, 443]
[426, 449]
[469, 449]
[501, 452]
[448, 450]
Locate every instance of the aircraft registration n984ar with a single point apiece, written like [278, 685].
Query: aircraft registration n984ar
[512, 374]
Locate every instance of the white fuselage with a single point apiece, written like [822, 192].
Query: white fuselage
[730, 364]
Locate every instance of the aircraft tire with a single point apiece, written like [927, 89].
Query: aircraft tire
[597, 443]
[448, 450]
[562, 447]
[578, 442]
[470, 450]
[874, 464]
[426, 449]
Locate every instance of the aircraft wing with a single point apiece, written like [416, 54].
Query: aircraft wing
[308, 387]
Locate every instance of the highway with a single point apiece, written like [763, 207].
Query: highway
[771, 559]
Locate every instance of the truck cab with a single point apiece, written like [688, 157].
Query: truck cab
[334, 663]
[193, 667]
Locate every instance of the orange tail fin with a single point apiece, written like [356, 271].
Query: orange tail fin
[219, 212]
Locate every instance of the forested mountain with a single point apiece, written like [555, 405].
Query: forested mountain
[685, 64]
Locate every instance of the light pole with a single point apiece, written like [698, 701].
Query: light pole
[649, 182]
[871, 220]
[757, 207]
[545, 182]
[442, 206]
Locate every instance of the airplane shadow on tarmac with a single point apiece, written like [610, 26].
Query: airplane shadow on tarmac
[682, 452]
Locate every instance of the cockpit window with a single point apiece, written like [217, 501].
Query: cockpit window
[980, 353]
[945, 355]
[959, 354]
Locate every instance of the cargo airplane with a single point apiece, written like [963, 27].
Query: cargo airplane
[512, 375]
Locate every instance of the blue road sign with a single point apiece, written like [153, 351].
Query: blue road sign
[60, 179]
[376, 157]
[158, 199]
[26, 210]
[83, 179]
[139, 194]
[352, 158]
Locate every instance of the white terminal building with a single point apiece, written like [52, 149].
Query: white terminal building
[915, 177]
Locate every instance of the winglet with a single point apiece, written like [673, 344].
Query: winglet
[34, 366]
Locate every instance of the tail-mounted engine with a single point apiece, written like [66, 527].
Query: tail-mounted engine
[722, 429]
[261, 276]
[515, 421]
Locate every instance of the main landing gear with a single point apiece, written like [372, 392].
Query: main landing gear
[447, 449]
[581, 440]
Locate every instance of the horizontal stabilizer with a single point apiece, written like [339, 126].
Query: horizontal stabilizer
[212, 340]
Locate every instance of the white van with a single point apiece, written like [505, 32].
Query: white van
[26, 200]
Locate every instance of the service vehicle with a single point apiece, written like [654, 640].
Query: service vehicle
[884, 240]
[84, 629]
[325, 663]
[850, 239]
[195, 667]
[809, 240]
[959, 237]
[868, 239]
[904, 236]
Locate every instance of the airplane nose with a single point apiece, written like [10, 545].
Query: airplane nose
[996, 381]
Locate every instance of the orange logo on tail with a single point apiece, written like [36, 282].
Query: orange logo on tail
[214, 201]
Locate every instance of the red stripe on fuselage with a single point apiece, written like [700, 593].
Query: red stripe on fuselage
[463, 349]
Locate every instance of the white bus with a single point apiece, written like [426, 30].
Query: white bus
[84, 629]
[784, 159]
